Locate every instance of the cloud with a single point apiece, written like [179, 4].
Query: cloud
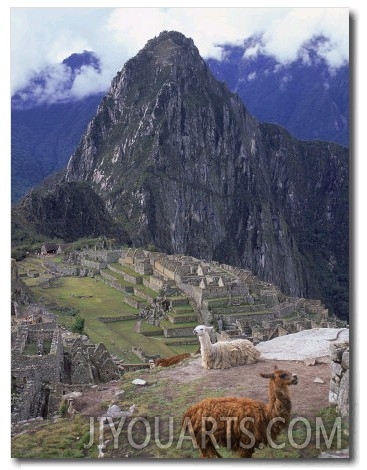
[287, 34]
[43, 37]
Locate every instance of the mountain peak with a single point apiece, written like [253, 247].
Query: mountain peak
[168, 44]
[168, 48]
[86, 58]
[182, 165]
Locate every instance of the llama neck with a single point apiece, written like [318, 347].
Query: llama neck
[279, 402]
[206, 344]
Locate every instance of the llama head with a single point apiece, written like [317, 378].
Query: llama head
[281, 377]
[200, 329]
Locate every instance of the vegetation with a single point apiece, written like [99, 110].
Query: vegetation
[78, 325]
[166, 400]
[64, 439]
[71, 298]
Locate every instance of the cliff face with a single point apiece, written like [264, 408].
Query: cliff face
[181, 164]
[71, 210]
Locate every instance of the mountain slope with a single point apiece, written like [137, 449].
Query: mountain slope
[180, 163]
[45, 134]
[307, 97]
[68, 212]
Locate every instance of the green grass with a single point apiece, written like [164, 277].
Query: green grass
[63, 440]
[165, 399]
[92, 299]
[30, 349]
[127, 270]
[173, 326]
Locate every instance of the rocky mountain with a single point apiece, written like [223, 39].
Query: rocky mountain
[306, 96]
[45, 134]
[180, 163]
[67, 212]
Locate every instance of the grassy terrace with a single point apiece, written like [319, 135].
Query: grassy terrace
[174, 326]
[127, 270]
[91, 298]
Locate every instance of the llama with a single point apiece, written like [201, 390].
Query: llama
[241, 424]
[170, 361]
[224, 354]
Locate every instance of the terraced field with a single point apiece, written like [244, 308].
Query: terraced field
[96, 300]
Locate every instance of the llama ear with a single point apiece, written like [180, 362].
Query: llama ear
[209, 328]
[268, 376]
[275, 367]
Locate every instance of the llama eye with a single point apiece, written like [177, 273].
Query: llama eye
[283, 376]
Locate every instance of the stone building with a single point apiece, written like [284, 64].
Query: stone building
[44, 366]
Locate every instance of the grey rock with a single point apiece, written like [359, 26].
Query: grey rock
[169, 119]
[114, 411]
[345, 360]
[337, 454]
[343, 398]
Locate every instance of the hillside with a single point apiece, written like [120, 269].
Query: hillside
[166, 395]
[44, 134]
[306, 96]
[180, 164]
[147, 305]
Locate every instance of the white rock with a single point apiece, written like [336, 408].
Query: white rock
[114, 411]
[72, 395]
[306, 344]
[139, 382]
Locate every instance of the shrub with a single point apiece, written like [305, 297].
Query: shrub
[78, 325]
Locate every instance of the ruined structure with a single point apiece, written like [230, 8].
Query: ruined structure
[231, 299]
[173, 292]
[45, 366]
[339, 382]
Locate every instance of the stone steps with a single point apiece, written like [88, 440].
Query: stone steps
[171, 330]
[268, 313]
[227, 310]
[178, 318]
[180, 321]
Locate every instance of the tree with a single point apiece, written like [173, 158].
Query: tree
[78, 325]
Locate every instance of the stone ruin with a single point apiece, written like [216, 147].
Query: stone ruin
[235, 301]
[41, 375]
[339, 381]
[232, 299]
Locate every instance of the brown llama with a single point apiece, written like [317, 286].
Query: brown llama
[170, 361]
[241, 424]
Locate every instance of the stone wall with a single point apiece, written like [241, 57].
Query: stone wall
[112, 282]
[29, 382]
[105, 256]
[90, 363]
[133, 316]
[33, 374]
[138, 351]
[97, 265]
[49, 365]
[339, 382]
